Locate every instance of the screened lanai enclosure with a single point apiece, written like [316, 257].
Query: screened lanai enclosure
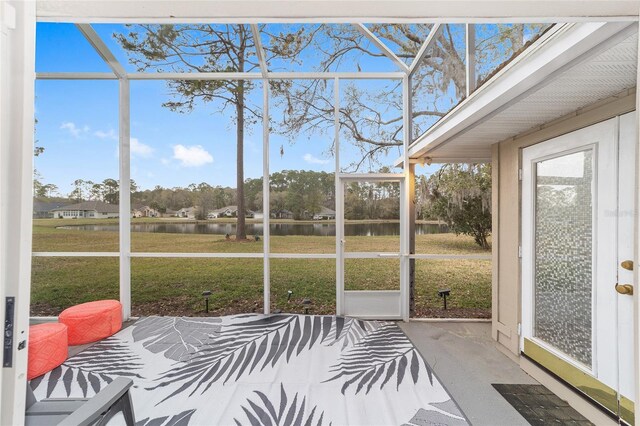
[268, 165]
[259, 193]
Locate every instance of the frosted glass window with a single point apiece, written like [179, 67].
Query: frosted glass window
[564, 254]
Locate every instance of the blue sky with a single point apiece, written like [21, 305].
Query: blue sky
[78, 124]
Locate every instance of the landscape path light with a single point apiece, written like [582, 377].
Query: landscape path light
[206, 295]
[443, 293]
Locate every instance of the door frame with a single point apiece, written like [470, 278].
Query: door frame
[373, 296]
[603, 375]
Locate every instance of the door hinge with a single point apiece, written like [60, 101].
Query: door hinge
[519, 174]
[519, 252]
[519, 329]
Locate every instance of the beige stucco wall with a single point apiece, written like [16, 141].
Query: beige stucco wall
[506, 158]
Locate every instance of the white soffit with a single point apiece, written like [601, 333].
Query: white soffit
[604, 71]
[349, 11]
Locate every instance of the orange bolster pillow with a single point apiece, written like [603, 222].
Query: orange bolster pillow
[47, 348]
[92, 321]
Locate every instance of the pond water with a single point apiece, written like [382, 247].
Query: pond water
[280, 229]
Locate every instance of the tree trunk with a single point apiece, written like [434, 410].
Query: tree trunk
[241, 233]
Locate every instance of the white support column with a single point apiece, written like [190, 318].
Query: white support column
[217, 76]
[17, 77]
[339, 202]
[266, 208]
[125, 197]
[6, 21]
[636, 260]
[124, 108]
[255, 30]
[471, 58]
[404, 207]
[411, 227]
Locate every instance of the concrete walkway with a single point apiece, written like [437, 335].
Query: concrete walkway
[466, 361]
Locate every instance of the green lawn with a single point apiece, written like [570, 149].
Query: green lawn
[173, 286]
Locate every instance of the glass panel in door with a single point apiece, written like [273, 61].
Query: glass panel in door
[563, 274]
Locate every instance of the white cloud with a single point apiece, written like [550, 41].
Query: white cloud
[314, 160]
[111, 134]
[139, 149]
[73, 129]
[191, 156]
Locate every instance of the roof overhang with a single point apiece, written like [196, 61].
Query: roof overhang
[570, 67]
[351, 11]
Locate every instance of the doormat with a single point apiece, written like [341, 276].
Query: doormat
[539, 406]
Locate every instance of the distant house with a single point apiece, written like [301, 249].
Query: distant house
[44, 209]
[229, 211]
[87, 209]
[324, 214]
[168, 213]
[281, 214]
[145, 211]
[187, 212]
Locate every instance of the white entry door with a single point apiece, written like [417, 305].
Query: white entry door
[577, 230]
[370, 237]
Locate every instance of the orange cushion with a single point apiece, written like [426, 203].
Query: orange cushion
[47, 348]
[92, 321]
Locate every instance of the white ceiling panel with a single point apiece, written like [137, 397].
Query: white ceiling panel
[599, 77]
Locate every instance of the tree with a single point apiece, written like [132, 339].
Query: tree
[372, 118]
[366, 200]
[80, 190]
[253, 187]
[50, 190]
[502, 42]
[111, 193]
[96, 192]
[38, 186]
[460, 195]
[204, 196]
[304, 193]
[278, 202]
[202, 48]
